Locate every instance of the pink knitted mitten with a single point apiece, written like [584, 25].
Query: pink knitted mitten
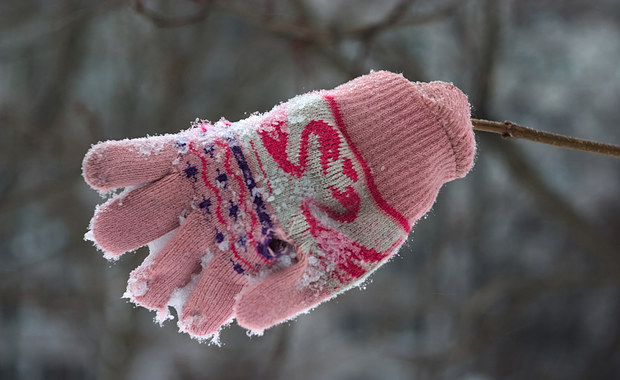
[267, 217]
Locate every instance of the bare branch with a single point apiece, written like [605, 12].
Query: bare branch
[508, 129]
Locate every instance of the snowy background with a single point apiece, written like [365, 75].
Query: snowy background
[514, 274]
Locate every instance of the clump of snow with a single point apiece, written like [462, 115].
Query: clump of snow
[89, 236]
[313, 276]
[137, 288]
[209, 339]
[250, 333]
[223, 245]
[182, 144]
[137, 285]
[180, 295]
[150, 145]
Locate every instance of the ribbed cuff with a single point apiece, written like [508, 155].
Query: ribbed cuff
[413, 136]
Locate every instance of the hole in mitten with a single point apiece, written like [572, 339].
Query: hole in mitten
[281, 249]
[277, 245]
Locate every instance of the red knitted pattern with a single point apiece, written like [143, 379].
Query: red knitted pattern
[371, 182]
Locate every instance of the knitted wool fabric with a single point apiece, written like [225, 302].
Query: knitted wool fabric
[267, 217]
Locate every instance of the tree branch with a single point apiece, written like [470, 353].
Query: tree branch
[508, 129]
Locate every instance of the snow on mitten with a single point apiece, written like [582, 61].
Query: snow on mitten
[267, 217]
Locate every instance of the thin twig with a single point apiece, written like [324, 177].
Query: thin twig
[508, 129]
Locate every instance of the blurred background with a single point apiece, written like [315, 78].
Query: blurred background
[514, 274]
